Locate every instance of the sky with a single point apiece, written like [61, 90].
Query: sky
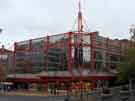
[28, 19]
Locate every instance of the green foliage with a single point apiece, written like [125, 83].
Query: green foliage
[40, 87]
[126, 70]
[122, 72]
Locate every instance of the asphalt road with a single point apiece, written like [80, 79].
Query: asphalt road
[39, 98]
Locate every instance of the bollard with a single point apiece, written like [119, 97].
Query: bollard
[66, 98]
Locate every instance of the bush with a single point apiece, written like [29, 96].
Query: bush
[40, 87]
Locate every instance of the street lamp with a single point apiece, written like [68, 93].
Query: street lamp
[1, 30]
[81, 83]
[0, 43]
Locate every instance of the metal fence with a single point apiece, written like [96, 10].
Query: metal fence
[95, 96]
[114, 95]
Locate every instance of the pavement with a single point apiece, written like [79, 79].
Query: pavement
[30, 98]
[24, 93]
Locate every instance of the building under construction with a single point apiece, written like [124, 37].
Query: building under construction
[71, 60]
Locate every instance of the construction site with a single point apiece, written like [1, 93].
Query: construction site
[71, 61]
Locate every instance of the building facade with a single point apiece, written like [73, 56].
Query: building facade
[57, 60]
[6, 59]
[52, 53]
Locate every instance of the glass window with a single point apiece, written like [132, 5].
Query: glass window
[22, 45]
[37, 43]
[58, 38]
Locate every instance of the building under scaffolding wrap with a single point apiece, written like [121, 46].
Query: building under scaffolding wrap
[68, 61]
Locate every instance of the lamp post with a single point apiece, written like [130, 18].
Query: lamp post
[1, 81]
[81, 93]
[1, 30]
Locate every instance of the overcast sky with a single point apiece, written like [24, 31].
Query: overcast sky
[25, 19]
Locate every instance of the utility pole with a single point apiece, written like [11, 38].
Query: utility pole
[1, 30]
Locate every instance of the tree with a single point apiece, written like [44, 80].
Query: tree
[126, 70]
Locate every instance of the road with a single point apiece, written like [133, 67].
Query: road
[41, 98]
[30, 98]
